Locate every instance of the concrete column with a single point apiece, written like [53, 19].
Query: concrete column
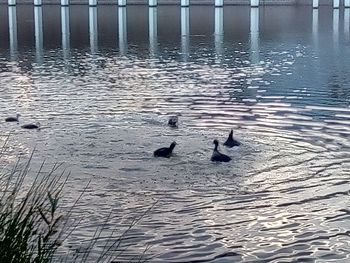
[315, 3]
[346, 3]
[152, 3]
[152, 30]
[254, 3]
[122, 33]
[254, 36]
[11, 2]
[38, 2]
[219, 3]
[336, 3]
[185, 3]
[121, 2]
[92, 2]
[39, 39]
[65, 30]
[13, 32]
[64, 2]
[185, 32]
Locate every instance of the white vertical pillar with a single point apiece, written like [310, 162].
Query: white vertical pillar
[11, 2]
[64, 2]
[315, 3]
[122, 33]
[185, 3]
[336, 3]
[93, 29]
[254, 3]
[152, 30]
[254, 35]
[38, 2]
[219, 3]
[121, 2]
[65, 31]
[13, 31]
[185, 32]
[346, 3]
[93, 3]
[152, 3]
[219, 31]
[38, 26]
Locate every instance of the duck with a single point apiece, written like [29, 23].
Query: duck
[31, 126]
[13, 118]
[165, 152]
[218, 156]
[230, 142]
[172, 122]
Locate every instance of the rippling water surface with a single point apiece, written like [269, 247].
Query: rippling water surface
[103, 97]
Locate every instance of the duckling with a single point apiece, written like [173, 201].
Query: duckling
[165, 152]
[31, 126]
[230, 142]
[173, 121]
[13, 118]
[217, 156]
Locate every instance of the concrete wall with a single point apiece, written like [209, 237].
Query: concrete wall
[322, 2]
[192, 2]
[167, 2]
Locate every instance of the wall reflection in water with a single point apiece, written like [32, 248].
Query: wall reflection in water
[185, 32]
[336, 27]
[254, 35]
[122, 31]
[93, 35]
[78, 27]
[39, 38]
[346, 23]
[13, 32]
[219, 31]
[152, 30]
[315, 27]
[65, 30]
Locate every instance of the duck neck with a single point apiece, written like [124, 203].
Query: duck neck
[172, 146]
[216, 148]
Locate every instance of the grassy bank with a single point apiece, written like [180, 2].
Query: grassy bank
[32, 225]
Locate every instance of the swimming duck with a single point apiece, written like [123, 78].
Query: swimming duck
[230, 142]
[217, 156]
[173, 121]
[13, 119]
[31, 126]
[165, 152]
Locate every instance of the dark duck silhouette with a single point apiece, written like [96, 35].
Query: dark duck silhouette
[218, 156]
[13, 119]
[165, 152]
[172, 122]
[31, 126]
[230, 142]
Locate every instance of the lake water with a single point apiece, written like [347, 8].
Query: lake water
[104, 82]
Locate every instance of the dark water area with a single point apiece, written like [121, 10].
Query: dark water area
[103, 81]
